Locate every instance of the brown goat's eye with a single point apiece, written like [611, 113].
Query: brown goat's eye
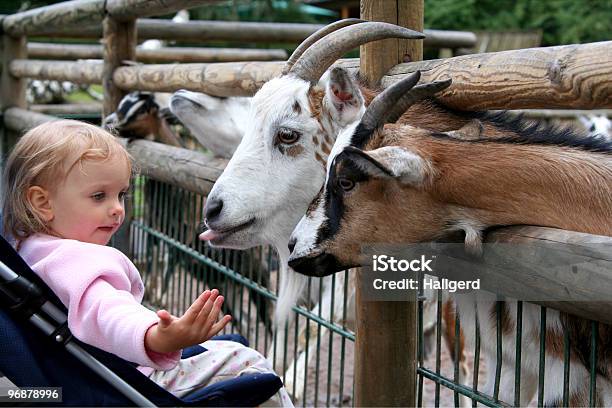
[346, 184]
[287, 136]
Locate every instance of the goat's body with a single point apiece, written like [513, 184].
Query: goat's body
[514, 184]
[556, 323]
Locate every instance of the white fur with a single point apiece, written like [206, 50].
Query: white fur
[218, 124]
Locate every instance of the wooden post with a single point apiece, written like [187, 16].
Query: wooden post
[119, 44]
[386, 341]
[12, 89]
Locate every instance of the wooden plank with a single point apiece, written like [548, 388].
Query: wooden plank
[518, 79]
[568, 76]
[164, 54]
[119, 44]
[68, 108]
[386, 344]
[241, 31]
[12, 89]
[222, 79]
[565, 270]
[76, 13]
[82, 72]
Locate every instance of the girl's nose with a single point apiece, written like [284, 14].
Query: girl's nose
[117, 209]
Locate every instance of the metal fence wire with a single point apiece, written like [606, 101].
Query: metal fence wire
[315, 356]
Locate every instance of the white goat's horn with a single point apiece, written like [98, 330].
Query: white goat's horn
[418, 92]
[316, 36]
[323, 53]
[377, 110]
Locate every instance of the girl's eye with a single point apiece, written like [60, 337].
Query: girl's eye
[98, 196]
[287, 136]
[346, 184]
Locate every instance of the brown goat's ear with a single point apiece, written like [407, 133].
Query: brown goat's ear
[391, 162]
[343, 96]
[470, 131]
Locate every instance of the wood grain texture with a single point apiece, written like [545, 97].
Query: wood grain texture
[12, 87]
[76, 13]
[222, 79]
[569, 76]
[119, 44]
[164, 54]
[82, 72]
[385, 344]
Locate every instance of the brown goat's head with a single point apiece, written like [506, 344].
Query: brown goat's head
[378, 196]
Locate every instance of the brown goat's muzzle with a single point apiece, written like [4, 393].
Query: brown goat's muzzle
[320, 265]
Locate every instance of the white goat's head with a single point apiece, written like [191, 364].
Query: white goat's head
[294, 119]
[218, 124]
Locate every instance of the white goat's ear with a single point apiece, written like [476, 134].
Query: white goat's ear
[470, 131]
[391, 162]
[343, 96]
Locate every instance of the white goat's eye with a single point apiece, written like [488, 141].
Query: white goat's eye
[346, 184]
[287, 136]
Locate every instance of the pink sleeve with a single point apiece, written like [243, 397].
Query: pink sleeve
[102, 309]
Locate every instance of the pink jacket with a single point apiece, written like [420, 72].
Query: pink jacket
[102, 290]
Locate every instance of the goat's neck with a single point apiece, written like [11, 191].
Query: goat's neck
[508, 184]
[166, 135]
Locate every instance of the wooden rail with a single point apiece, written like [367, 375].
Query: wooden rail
[569, 77]
[240, 31]
[164, 54]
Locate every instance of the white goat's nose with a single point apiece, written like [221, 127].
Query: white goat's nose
[291, 244]
[213, 209]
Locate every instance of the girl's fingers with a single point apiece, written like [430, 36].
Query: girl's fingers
[192, 313]
[217, 327]
[165, 318]
[213, 315]
[206, 309]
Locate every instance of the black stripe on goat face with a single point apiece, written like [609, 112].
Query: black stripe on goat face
[344, 175]
[133, 105]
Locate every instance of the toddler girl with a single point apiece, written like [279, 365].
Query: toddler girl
[64, 189]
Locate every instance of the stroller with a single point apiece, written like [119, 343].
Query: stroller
[37, 350]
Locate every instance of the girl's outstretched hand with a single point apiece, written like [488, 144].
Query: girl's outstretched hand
[199, 323]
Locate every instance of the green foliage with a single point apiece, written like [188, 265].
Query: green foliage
[562, 21]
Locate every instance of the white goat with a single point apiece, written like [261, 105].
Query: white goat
[280, 164]
[437, 183]
[218, 124]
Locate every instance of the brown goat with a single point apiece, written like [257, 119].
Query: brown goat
[406, 185]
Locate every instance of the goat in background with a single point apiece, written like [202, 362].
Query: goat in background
[402, 184]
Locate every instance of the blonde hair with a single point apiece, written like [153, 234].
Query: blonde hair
[43, 157]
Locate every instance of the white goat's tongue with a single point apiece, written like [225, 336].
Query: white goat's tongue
[208, 235]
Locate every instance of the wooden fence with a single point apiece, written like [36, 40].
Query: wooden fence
[572, 76]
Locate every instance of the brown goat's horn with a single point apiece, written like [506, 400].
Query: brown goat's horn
[322, 54]
[415, 94]
[316, 36]
[376, 112]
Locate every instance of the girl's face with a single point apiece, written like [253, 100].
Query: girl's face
[89, 204]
